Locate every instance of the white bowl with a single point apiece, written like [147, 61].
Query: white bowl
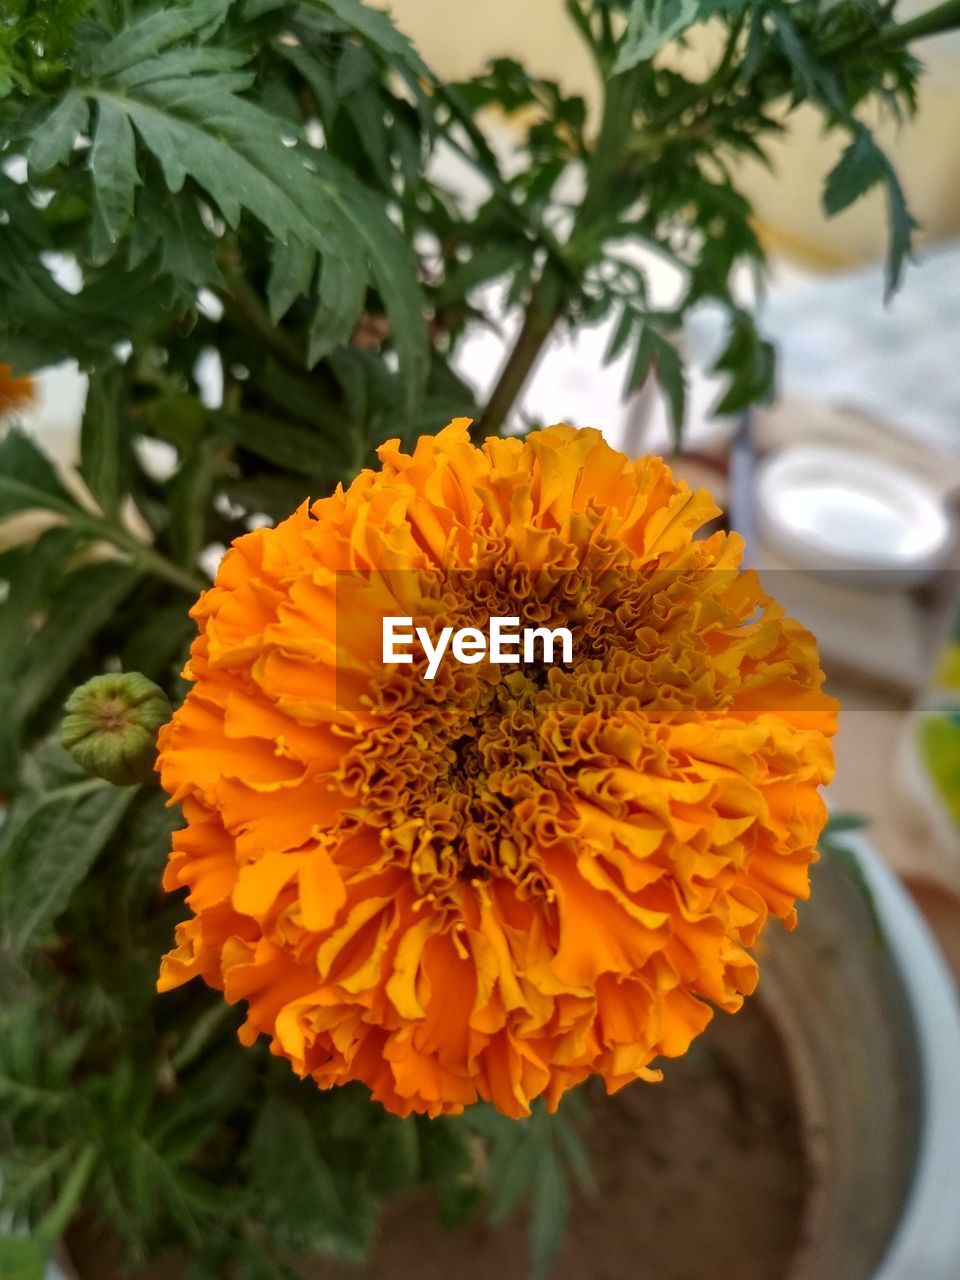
[830, 509]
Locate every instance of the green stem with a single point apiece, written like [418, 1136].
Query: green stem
[55, 1221]
[557, 285]
[543, 311]
[941, 18]
[243, 306]
[149, 559]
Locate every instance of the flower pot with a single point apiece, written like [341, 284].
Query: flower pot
[869, 1017]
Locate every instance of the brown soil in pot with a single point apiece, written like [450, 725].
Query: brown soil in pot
[701, 1177]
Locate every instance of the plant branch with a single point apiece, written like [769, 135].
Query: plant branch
[941, 18]
[241, 303]
[559, 283]
[541, 315]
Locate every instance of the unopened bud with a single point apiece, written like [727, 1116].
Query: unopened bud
[110, 726]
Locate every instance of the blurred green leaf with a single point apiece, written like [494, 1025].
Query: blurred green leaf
[54, 139]
[750, 362]
[862, 167]
[342, 291]
[655, 354]
[28, 482]
[548, 1214]
[47, 845]
[113, 166]
[378, 28]
[292, 270]
[103, 441]
[22, 1258]
[295, 448]
[652, 24]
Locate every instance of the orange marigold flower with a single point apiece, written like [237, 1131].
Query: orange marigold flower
[14, 392]
[497, 882]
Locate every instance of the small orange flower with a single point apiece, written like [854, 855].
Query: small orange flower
[500, 881]
[14, 392]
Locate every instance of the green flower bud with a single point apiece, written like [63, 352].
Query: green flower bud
[110, 726]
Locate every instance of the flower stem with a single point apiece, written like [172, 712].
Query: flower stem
[941, 18]
[558, 285]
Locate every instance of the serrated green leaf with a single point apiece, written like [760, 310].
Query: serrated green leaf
[295, 1187]
[862, 167]
[620, 335]
[343, 287]
[377, 27]
[652, 24]
[356, 70]
[292, 267]
[113, 168]
[47, 846]
[27, 572]
[149, 35]
[751, 363]
[179, 63]
[317, 76]
[275, 496]
[53, 140]
[655, 354]
[366, 109]
[52, 324]
[512, 1173]
[548, 1214]
[172, 228]
[287, 445]
[233, 149]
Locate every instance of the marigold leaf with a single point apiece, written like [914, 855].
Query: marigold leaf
[48, 845]
[287, 445]
[234, 150]
[292, 267]
[548, 1214]
[156, 31]
[113, 167]
[53, 140]
[655, 354]
[863, 166]
[27, 479]
[378, 28]
[343, 287]
[750, 361]
[652, 24]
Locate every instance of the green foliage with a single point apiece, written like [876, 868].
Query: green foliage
[861, 167]
[251, 182]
